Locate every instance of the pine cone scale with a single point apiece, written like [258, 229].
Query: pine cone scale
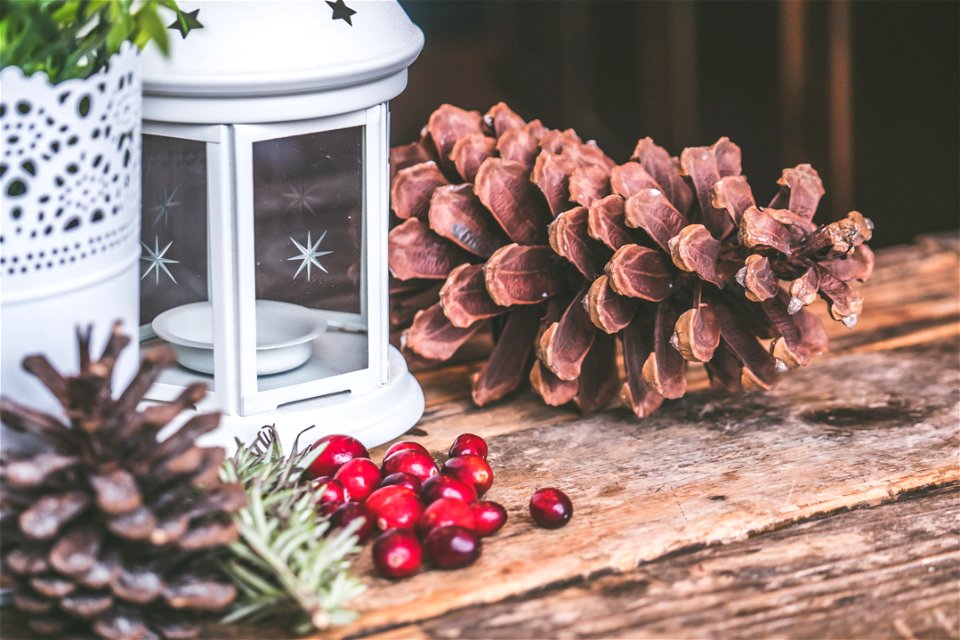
[29, 603]
[410, 194]
[408, 155]
[702, 165]
[26, 474]
[86, 606]
[640, 272]
[509, 360]
[457, 215]
[44, 371]
[76, 552]
[52, 586]
[800, 191]
[417, 252]
[116, 492]
[569, 238]
[505, 190]
[25, 420]
[733, 195]
[48, 515]
[554, 391]
[522, 275]
[598, 380]
[606, 222]
[756, 360]
[469, 152]
[464, 297]
[432, 336]
[565, 344]
[663, 168]
[609, 311]
[760, 229]
[665, 368]
[696, 250]
[447, 125]
[651, 211]
[27, 560]
[698, 333]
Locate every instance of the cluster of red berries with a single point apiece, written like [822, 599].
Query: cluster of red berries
[420, 508]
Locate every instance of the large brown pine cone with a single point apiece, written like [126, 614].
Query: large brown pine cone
[110, 530]
[671, 258]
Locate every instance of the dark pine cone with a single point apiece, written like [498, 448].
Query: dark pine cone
[110, 530]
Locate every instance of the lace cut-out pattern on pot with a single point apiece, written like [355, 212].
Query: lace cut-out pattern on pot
[69, 173]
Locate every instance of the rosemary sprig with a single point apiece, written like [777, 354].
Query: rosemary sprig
[284, 565]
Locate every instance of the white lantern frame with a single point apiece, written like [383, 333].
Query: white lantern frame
[230, 115]
[231, 236]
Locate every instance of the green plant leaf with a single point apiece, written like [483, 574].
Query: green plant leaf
[75, 38]
[153, 27]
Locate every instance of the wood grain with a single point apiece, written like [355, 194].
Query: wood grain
[891, 571]
[853, 430]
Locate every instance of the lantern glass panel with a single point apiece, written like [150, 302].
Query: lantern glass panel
[308, 243]
[173, 226]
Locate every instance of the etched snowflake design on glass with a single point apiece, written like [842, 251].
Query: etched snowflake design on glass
[308, 255]
[301, 197]
[157, 261]
[161, 210]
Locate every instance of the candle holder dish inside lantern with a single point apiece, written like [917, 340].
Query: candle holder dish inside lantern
[265, 215]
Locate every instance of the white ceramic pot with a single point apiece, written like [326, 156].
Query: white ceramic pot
[69, 218]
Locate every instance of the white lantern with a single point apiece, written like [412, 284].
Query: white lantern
[265, 215]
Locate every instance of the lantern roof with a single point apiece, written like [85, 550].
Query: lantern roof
[268, 47]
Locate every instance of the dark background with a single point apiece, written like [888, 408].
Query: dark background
[867, 92]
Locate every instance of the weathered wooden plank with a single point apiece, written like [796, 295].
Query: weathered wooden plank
[854, 429]
[890, 571]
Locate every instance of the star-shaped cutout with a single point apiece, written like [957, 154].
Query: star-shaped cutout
[341, 11]
[308, 257]
[186, 22]
[163, 207]
[156, 260]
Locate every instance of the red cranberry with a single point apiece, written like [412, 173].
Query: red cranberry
[406, 445]
[330, 494]
[414, 462]
[447, 487]
[446, 511]
[407, 480]
[351, 511]
[397, 553]
[489, 517]
[472, 470]
[551, 508]
[395, 507]
[339, 451]
[452, 547]
[468, 444]
[361, 476]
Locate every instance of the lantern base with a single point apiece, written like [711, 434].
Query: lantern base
[373, 417]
